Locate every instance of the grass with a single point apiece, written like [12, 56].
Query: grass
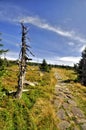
[34, 111]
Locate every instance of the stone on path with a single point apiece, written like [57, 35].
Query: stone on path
[72, 102]
[58, 76]
[61, 114]
[83, 126]
[58, 103]
[81, 120]
[69, 113]
[69, 96]
[61, 95]
[66, 105]
[64, 125]
[77, 112]
[76, 128]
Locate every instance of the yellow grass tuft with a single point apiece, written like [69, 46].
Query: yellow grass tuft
[44, 115]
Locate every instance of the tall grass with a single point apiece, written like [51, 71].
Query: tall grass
[34, 111]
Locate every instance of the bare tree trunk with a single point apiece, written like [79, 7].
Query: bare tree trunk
[23, 62]
[22, 65]
[21, 80]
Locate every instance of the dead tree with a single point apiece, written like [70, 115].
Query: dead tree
[23, 57]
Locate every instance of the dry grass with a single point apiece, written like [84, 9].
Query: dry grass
[34, 111]
[9, 81]
[44, 115]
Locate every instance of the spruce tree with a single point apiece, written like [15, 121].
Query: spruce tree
[44, 66]
[2, 51]
[81, 68]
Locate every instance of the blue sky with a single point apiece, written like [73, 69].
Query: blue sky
[57, 28]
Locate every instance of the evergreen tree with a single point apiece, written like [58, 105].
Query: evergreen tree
[44, 66]
[81, 68]
[2, 51]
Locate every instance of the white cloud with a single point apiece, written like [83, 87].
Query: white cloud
[59, 60]
[12, 55]
[70, 59]
[17, 45]
[65, 60]
[71, 43]
[82, 48]
[10, 13]
[44, 25]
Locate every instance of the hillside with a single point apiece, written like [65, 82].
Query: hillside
[38, 108]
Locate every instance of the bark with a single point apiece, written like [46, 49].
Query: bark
[22, 64]
[20, 84]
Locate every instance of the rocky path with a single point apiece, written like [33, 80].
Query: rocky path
[71, 117]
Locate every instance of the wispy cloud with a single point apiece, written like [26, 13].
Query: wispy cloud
[10, 13]
[70, 59]
[45, 25]
[82, 48]
[12, 55]
[71, 43]
[59, 60]
[64, 60]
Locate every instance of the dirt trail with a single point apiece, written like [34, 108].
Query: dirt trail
[71, 117]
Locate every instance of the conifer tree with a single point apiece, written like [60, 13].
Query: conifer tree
[81, 68]
[2, 51]
[44, 66]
